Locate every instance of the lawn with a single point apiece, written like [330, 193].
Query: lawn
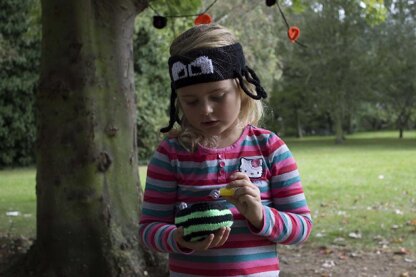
[361, 193]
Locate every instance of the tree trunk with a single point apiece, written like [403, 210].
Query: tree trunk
[402, 121]
[339, 133]
[299, 127]
[400, 133]
[87, 183]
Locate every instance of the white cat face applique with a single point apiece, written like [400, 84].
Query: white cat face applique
[252, 167]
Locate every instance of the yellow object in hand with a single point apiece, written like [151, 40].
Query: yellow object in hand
[226, 192]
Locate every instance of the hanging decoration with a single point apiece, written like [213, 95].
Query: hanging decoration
[203, 19]
[270, 3]
[293, 32]
[160, 21]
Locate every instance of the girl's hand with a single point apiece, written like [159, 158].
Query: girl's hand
[246, 198]
[216, 239]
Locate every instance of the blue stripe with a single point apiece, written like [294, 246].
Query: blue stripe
[302, 230]
[282, 157]
[239, 230]
[149, 186]
[256, 140]
[162, 164]
[226, 258]
[264, 189]
[147, 230]
[284, 230]
[204, 169]
[188, 192]
[158, 241]
[157, 213]
[287, 182]
[200, 170]
[268, 221]
[291, 206]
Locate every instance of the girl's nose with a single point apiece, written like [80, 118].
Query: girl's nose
[206, 108]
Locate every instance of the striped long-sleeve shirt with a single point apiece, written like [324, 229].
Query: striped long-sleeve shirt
[176, 175]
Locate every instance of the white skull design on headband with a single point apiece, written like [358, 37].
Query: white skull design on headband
[201, 65]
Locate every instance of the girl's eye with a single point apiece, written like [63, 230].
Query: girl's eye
[191, 103]
[218, 97]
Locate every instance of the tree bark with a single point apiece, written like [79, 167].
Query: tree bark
[299, 127]
[87, 183]
[339, 133]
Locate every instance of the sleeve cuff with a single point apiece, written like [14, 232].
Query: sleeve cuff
[263, 231]
[175, 247]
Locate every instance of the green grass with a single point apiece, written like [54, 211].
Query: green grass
[17, 193]
[364, 186]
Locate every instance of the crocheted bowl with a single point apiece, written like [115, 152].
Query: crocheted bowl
[202, 219]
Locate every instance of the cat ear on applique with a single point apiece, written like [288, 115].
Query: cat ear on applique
[252, 167]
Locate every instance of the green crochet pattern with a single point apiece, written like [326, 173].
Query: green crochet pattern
[202, 219]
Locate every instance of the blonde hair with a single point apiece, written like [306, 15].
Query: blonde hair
[211, 36]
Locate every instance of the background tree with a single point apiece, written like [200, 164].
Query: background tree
[326, 79]
[396, 45]
[19, 69]
[302, 101]
[87, 185]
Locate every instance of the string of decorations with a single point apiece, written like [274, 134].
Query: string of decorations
[293, 32]
[160, 21]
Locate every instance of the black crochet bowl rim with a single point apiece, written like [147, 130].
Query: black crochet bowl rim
[201, 207]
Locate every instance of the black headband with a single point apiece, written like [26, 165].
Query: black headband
[210, 65]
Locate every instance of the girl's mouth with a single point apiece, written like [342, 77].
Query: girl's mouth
[209, 123]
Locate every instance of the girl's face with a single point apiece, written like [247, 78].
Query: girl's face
[213, 109]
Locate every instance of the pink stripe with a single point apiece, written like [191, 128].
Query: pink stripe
[244, 237]
[301, 210]
[165, 239]
[207, 177]
[150, 219]
[265, 195]
[284, 163]
[154, 170]
[157, 195]
[151, 236]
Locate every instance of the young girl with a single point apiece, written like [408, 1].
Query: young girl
[215, 100]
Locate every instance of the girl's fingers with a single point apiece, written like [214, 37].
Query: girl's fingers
[224, 236]
[200, 245]
[239, 176]
[213, 240]
[206, 243]
[218, 237]
[247, 190]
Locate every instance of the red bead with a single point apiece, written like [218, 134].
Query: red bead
[293, 33]
[203, 19]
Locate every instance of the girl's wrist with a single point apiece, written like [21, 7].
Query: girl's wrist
[258, 220]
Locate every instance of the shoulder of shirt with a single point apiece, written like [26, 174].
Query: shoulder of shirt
[170, 144]
[261, 132]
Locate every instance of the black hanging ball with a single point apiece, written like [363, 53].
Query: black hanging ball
[159, 22]
[270, 3]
